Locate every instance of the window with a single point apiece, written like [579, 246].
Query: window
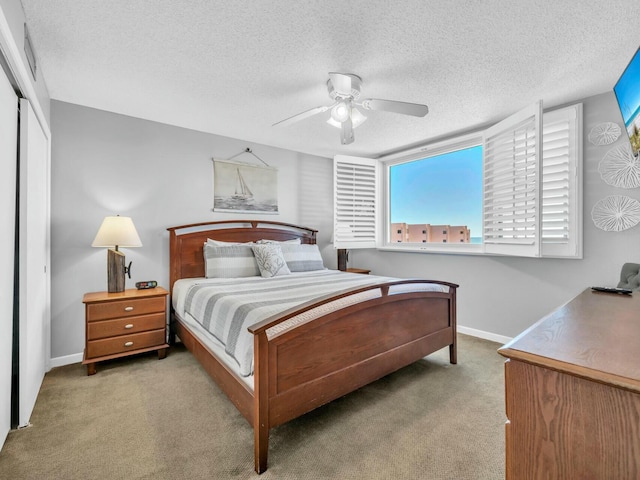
[355, 202]
[438, 191]
[514, 189]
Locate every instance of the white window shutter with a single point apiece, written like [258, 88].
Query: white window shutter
[561, 182]
[355, 202]
[512, 184]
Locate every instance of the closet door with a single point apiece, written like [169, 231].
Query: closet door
[34, 313]
[8, 162]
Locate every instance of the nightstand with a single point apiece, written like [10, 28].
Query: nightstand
[358, 270]
[124, 323]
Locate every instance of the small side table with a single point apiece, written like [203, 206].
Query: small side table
[358, 270]
[124, 323]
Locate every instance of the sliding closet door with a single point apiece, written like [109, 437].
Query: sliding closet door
[8, 158]
[34, 316]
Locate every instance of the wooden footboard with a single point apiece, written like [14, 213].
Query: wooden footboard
[312, 363]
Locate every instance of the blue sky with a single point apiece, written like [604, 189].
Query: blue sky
[628, 89]
[441, 190]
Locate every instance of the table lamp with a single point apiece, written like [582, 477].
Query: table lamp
[344, 232]
[117, 231]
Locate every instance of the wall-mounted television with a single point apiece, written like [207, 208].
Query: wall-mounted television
[627, 91]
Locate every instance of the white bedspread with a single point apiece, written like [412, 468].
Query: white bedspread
[226, 307]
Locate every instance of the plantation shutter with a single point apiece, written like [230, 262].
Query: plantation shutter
[512, 184]
[355, 202]
[561, 212]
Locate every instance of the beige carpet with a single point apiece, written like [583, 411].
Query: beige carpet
[141, 418]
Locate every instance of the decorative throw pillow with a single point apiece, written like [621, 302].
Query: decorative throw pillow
[270, 260]
[302, 258]
[231, 261]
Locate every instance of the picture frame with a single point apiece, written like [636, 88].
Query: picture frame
[241, 187]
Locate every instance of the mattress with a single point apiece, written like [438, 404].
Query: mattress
[221, 309]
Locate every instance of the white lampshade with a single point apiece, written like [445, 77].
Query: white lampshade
[357, 117]
[116, 232]
[340, 112]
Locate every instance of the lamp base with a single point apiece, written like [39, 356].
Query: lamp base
[115, 271]
[343, 257]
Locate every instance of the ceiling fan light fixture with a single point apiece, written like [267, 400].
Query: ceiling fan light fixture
[340, 112]
[357, 118]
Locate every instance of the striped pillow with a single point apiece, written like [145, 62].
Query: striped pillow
[231, 261]
[302, 258]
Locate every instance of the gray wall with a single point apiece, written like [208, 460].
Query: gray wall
[161, 176]
[505, 295]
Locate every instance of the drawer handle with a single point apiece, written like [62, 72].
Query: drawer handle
[128, 309]
[128, 326]
[128, 344]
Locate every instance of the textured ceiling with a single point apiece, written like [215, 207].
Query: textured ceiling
[234, 67]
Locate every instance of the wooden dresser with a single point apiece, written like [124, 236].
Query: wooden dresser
[125, 323]
[573, 392]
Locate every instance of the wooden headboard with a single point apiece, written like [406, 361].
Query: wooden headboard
[186, 259]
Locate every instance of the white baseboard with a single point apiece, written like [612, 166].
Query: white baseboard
[66, 360]
[494, 337]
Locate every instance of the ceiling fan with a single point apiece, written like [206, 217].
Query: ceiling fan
[344, 90]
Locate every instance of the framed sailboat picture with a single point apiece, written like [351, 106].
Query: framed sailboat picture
[244, 188]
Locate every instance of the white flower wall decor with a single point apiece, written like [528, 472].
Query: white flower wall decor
[604, 133]
[620, 168]
[616, 213]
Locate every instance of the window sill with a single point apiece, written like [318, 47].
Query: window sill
[453, 249]
[467, 249]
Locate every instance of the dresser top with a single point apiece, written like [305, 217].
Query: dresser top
[128, 294]
[596, 336]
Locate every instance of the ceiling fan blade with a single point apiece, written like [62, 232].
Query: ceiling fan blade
[415, 109]
[341, 83]
[346, 134]
[301, 116]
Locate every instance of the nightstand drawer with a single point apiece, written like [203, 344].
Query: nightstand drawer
[125, 308]
[125, 326]
[125, 343]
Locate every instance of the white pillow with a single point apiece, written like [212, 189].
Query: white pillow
[302, 258]
[295, 241]
[220, 243]
[230, 261]
[270, 260]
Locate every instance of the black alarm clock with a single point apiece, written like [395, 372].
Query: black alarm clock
[146, 284]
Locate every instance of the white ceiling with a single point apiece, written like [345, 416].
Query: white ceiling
[235, 67]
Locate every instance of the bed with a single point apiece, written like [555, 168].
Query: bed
[310, 354]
